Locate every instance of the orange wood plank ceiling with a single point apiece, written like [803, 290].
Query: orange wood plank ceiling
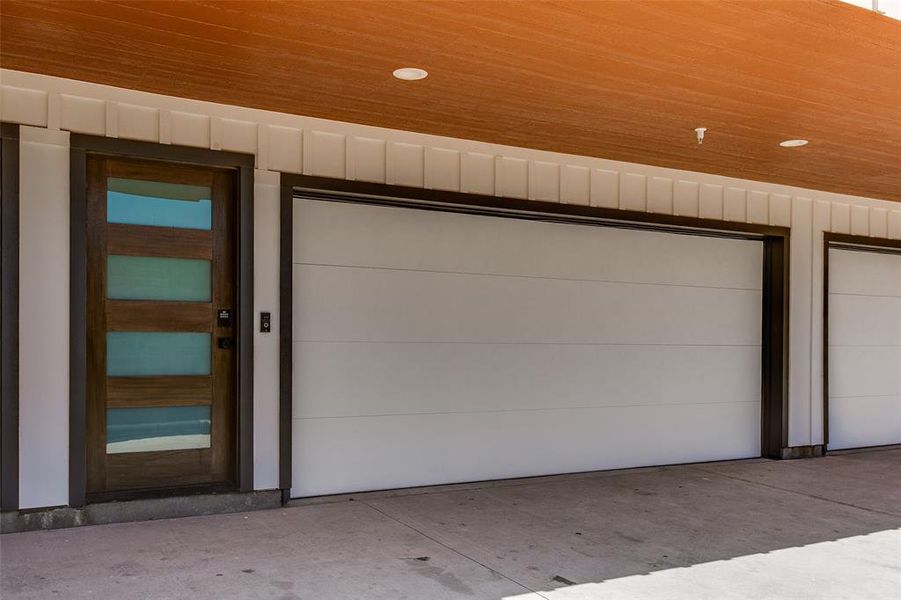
[625, 80]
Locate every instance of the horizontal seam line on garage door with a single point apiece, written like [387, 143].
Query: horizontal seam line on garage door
[515, 410]
[898, 394]
[865, 295]
[615, 344]
[545, 277]
[864, 346]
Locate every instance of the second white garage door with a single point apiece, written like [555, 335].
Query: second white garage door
[435, 347]
[864, 348]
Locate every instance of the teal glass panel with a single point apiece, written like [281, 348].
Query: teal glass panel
[139, 202]
[152, 278]
[157, 428]
[157, 353]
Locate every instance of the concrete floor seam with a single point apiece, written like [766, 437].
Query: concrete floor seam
[452, 549]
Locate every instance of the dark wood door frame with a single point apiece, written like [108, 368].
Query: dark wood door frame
[857, 243]
[9, 317]
[81, 146]
[211, 467]
[774, 346]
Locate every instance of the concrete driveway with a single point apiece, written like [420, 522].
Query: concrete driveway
[816, 528]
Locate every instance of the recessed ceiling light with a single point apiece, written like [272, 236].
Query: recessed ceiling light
[793, 143]
[411, 73]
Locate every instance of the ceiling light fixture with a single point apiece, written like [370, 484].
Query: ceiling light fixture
[411, 74]
[793, 143]
[699, 133]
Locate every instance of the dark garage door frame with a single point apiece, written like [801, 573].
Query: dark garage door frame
[9, 317]
[857, 243]
[774, 372]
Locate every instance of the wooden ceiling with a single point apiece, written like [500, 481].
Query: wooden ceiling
[626, 80]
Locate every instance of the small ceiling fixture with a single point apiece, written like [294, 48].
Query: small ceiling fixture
[793, 143]
[411, 73]
[699, 132]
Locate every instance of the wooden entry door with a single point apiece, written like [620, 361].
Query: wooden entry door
[161, 326]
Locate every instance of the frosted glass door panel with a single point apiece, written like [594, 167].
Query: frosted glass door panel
[138, 202]
[142, 354]
[153, 278]
[158, 428]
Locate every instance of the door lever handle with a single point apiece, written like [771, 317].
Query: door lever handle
[225, 342]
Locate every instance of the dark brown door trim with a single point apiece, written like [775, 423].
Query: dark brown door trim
[80, 147]
[774, 378]
[774, 373]
[285, 342]
[859, 243]
[9, 317]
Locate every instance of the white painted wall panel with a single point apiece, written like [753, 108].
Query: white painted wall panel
[369, 159]
[43, 318]
[815, 269]
[633, 192]
[477, 173]
[710, 202]
[22, 105]
[266, 201]
[860, 220]
[735, 204]
[841, 217]
[575, 185]
[325, 154]
[864, 348]
[685, 199]
[442, 169]
[83, 115]
[286, 152]
[879, 222]
[239, 136]
[544, 181]
[406, 164]
[512, 177]
[435, 347]
[138, 123]
[604, 188]
[894, 225]
[758, 207]
[187, 129]
[216, 133]
[780, 210]
[660, 195]
[800, 297]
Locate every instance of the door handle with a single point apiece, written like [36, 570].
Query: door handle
[225, 342]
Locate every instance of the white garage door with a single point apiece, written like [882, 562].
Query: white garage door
[864, 349]
[435, 347]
